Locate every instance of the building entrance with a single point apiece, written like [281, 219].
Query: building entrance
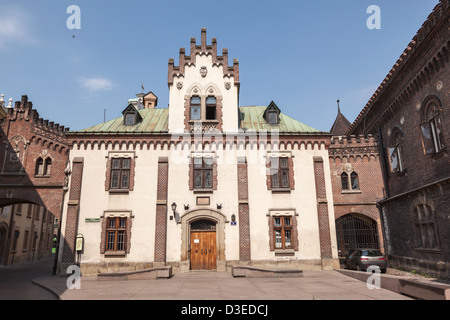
[203, 245]
[356, 231]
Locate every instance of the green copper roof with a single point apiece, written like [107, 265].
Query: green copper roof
[252, 118]
[153, 120]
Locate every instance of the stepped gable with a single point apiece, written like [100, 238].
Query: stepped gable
[24, 110]
[204, 49]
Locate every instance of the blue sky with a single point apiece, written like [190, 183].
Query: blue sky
[301, 54]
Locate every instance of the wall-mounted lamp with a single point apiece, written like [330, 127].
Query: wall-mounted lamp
[174, 207]
[186, 207]
[219, 206]
[175, 214]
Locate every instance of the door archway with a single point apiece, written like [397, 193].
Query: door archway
[203, 245]
[212, 224]
[356, 231]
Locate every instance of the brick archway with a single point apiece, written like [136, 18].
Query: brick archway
[357, 231]
[51, 199]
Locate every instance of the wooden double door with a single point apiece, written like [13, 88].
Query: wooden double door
[203, 247]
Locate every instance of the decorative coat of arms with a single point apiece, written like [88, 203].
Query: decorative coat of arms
[203, 71]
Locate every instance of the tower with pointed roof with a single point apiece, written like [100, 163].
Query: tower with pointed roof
[341, 124]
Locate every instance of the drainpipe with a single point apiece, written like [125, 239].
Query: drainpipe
[384, 171]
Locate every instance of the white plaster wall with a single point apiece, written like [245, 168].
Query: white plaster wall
[302, 200]
[226, 194]
[142, 202]
[193, 78]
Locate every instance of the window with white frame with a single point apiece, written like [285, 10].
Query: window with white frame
[431, 126]
[396, 152]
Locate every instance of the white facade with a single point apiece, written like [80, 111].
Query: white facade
[149, 238]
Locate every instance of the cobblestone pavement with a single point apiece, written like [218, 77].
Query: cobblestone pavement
[16, 281]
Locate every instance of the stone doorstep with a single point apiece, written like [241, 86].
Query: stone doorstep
[146, 274]
[418, 289]
[251, 272]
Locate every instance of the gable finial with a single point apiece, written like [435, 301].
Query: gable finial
[339, 107]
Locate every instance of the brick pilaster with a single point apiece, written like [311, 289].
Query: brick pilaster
[322, 209]
[73, 208]
[244, 211]
[161, 211]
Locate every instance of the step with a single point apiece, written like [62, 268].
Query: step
[146, 274]
[251, 272]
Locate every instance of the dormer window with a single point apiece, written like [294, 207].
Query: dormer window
[131, 116]
[273, 117]
[130, 119]
[272, 114]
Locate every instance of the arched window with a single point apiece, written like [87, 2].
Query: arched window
[432, 133]
[349, 182]
[48, 167]
[396, 151]
[39, 171]
[344, 181]
[354, 181]
[211, 107]
[195, 108]
[426, 235]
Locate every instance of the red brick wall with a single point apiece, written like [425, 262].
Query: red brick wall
[360, 155]
[244, 218]
[34, 137]
[161, 211]
[73, 211]
[322, 209]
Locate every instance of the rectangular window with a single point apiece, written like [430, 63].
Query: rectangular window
[394, 159]
[29, 210]
[35, 237]
[211, 106]
[25, 240]
[120, 173]
[195, 108]
[203, 172]
[425, 228]
[282, 227]
[116, 234]
[130, 119]
[427, 139]
[279, 168]
[273, 117]
[15, 239]
[39, 166]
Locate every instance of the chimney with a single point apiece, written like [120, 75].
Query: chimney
[203, 39]
[150, 101]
